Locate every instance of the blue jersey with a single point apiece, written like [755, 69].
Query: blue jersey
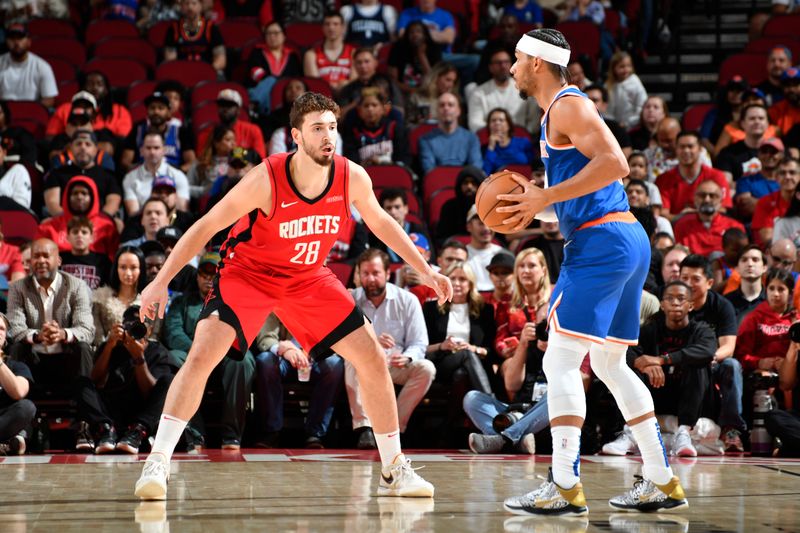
[563, 162]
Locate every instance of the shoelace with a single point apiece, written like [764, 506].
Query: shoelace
[639, 487]
[405, 469]
[155, 469]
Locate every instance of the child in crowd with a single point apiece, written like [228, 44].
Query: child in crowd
[626, 94]
[91, 267]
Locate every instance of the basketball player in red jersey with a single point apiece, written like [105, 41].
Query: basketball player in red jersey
[289, 210]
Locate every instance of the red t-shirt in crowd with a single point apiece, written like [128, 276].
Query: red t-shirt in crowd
[769, 208]
[677, 194]
[690, 231]
[10, 260]
[248, 135]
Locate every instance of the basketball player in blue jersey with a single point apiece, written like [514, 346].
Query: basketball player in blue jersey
[595, 304]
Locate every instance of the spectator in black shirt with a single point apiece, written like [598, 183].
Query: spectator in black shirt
[16, 411]
[279, 118]
[599, 95]
[674, 356]
[719, 314]
[194, 38]
[741, 158]
[452, 220]
[84, 150]
[751, 267]
[18, 143]
[412, 57]
[395, 203]
[80, 261]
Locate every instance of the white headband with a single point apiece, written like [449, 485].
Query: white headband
[548, 52]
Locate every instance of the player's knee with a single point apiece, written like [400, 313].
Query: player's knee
[563, 354]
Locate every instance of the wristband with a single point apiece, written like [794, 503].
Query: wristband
[139, 361]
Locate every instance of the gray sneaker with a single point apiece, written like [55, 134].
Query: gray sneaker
[480, 443]
[549, 500]
[647, 497]
[527, 445]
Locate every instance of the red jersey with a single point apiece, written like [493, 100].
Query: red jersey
[337, 70]
[678, 194]
[690, 231]
[297, 234]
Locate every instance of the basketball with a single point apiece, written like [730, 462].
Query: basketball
[486, 201]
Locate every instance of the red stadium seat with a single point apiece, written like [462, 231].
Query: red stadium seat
[37, 129]
[68, 49]
[385, 176]
[237, 33]
[51, 28]
[314, 84]
[693, 116]
[65, 91]
[304, 34]
[207, 91]
[64, 71]
[120, 72]
[139, 91]
[19, 226]
[525, 170]
[434, 206]
[439, 178]
[189, 73]
[751, 67]
[583, 37]
[127, 48]
[100, 29]
[27, 110]
[415, 135]
[343, 271]
[157, 33]
[764, 45]
[138, 112]
[782, 25]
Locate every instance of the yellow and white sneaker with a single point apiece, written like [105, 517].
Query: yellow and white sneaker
[549, 500]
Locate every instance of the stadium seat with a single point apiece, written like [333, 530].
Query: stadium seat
[782, 25]
[121, 73]
[189, 73]
[237, 33]
[765, 44]
[18, 226]
[439, 178]
[525, 170]
[64, 71]
[751, 67]
[583, 37]
[68, 49]
[101, 29]
[313, 84]
[693, 116]
[27, 110]
[65, 91]
[385, 176]
[207, 91]
[158, 32]
[126, 48]
[343, 271]
[138, 112]
[434, 206]
[304, 34]
[414, 136]
[139, 91]
[51, 28]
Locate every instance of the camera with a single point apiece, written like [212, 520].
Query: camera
[512, 415]
[794, 332]
[132, 325]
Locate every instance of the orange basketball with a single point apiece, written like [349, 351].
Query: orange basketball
[486, 201]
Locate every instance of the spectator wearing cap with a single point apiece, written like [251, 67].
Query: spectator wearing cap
[15, 180]
[194, 38]
[84, 152]
[480, 249]
[240, 161]
[178, 140]
[786, 113]
[23, 74]
[79, 119]
[501, 272]
[406, 277]
[395, 202]
[139, 182]
[452, 218]
[741, 157]
[778, 60]
[16, 411]
[248, 135]
[109, 115]
[82, 103]
[236, 376]
[80, 198]
[752, 187]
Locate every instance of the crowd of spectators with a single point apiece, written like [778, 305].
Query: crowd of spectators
[113, 182]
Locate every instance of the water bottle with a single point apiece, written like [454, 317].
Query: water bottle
[760, 439]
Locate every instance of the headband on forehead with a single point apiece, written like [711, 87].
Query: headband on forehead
[548, 52]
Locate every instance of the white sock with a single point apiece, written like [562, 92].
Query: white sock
[388, 447]
[170, 431]
[566, 455]
[654, 455]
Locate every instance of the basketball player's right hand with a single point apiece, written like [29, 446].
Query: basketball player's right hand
[441, 284]
[154, 301]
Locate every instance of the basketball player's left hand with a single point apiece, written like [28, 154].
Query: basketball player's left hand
[439, 283]
[530, 201]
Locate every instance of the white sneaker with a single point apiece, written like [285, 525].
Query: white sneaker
[401, 480]
[682, 444]
[152, 484]
[623, 445]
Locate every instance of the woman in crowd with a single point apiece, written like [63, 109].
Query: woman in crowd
[422, 105]
[128, 279]
[269, 61]
[213, 161]
[654, 109]
[279, 118]
[412, 57]
[504, 149]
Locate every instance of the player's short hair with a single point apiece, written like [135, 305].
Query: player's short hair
[371, 253]
[698, 261]
[392, 193]
[79, 222]
[310, 102]
[556, 38]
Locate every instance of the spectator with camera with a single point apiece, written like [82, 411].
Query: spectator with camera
[785, 424]
[127, 387]
[396, 316]
[16, 411]
[127, 280]
[726, 371]
[236, 376]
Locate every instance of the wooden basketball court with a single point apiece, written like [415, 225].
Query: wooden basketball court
[328, 491]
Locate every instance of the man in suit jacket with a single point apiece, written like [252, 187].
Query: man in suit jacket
[50, 316]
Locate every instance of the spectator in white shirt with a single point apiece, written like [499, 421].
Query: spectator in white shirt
[480, 249]
[15, 183]
[23, 74]
[138, 183]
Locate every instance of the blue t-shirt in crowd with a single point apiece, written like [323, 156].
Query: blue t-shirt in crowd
[438, 20]
[757, 185]
[530, 13]
[459, 148]
[518, 152]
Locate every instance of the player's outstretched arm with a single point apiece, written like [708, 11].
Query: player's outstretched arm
[252, 192]
[389, 231]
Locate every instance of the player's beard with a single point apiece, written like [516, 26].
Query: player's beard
[318, 157]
